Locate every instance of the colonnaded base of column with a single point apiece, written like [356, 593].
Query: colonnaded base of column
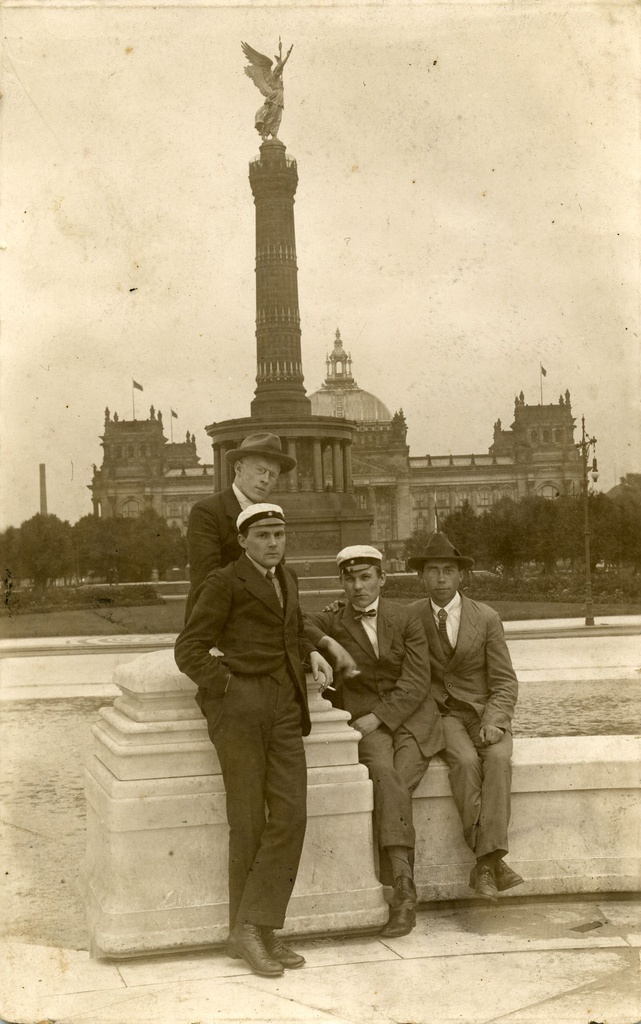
[155, 872]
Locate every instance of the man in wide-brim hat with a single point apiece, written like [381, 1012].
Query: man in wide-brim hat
[475, 688]
[212, 537]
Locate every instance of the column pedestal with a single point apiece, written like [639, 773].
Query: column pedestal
[155, 873]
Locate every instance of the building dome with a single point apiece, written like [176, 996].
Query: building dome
[341, 396]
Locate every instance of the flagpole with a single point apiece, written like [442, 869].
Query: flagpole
[133, 400]
[541, 382]
[171, 424]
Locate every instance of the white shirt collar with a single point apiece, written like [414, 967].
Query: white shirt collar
[261, 568]
[452, 606]
[373, 605]
[243, 500]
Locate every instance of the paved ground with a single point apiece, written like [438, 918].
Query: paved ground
[520, 963]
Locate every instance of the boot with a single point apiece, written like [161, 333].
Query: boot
[505, 877]
[402, 916]
[246, 941]
[278, 951]
[484, 883]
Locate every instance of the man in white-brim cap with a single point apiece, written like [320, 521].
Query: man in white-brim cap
[254, 697]
[390, 705]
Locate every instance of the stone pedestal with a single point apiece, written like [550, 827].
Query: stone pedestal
[155, 874]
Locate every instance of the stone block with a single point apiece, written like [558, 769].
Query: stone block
[155, 873]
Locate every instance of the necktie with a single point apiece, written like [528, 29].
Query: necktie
[442, 632]
[271, 576]
[370, 614]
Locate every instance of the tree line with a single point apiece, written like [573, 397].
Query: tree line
[508, 534]
[45, 548]
[511, 533]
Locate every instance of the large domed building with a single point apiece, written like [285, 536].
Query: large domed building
[380, 454]
[398, 492]
[341, 396]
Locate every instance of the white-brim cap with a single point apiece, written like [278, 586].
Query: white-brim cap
[261, 512]
[358, 556]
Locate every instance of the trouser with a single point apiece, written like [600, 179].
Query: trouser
[396, 765]
[256, 729]
[480, 779]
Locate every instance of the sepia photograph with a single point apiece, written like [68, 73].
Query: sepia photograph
[320, 528]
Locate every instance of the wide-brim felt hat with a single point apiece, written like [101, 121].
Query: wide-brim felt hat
[267, 445]
[439, 547]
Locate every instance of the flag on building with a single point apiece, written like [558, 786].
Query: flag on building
[138, 386]
[544, 372]
[174, 414]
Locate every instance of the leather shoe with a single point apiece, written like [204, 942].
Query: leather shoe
[278, 951]
[246, 941]
[505, 877]
[484, 884]
[402, 916]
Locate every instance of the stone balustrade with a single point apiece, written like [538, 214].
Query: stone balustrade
[155, 874]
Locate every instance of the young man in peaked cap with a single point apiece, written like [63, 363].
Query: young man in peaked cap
[212, 537]
[390, 705]
[475, 688]
[255, 700]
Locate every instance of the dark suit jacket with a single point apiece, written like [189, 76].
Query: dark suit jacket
[480, 671]
[395, 686]
[211, 538]
[237, 610]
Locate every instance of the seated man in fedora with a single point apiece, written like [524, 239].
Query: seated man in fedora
[475, 688]
[212, 537]
[390, 704]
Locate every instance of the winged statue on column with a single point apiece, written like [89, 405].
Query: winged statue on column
[268, 77]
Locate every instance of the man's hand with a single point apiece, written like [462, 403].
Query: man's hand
[366, 724]
[320, 667]
[335, 606]
[490, 734]
[341, 659]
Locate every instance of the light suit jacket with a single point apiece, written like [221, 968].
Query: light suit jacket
[395, 686]
[480, 671]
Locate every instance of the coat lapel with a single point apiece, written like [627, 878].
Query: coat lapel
[231, 506]
[468, 629]
[356, 631]
[258, 585]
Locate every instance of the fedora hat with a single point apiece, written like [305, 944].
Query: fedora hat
[439, 548]
[267, 445]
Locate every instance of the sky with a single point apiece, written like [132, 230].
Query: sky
[467, 210]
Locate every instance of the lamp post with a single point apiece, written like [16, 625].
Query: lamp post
[584, 445]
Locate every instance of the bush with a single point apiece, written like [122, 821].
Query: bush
[559, 587]
[70, 598]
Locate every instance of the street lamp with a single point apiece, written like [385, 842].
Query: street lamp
[584, 445]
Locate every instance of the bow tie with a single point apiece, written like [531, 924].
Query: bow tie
[364, 615]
